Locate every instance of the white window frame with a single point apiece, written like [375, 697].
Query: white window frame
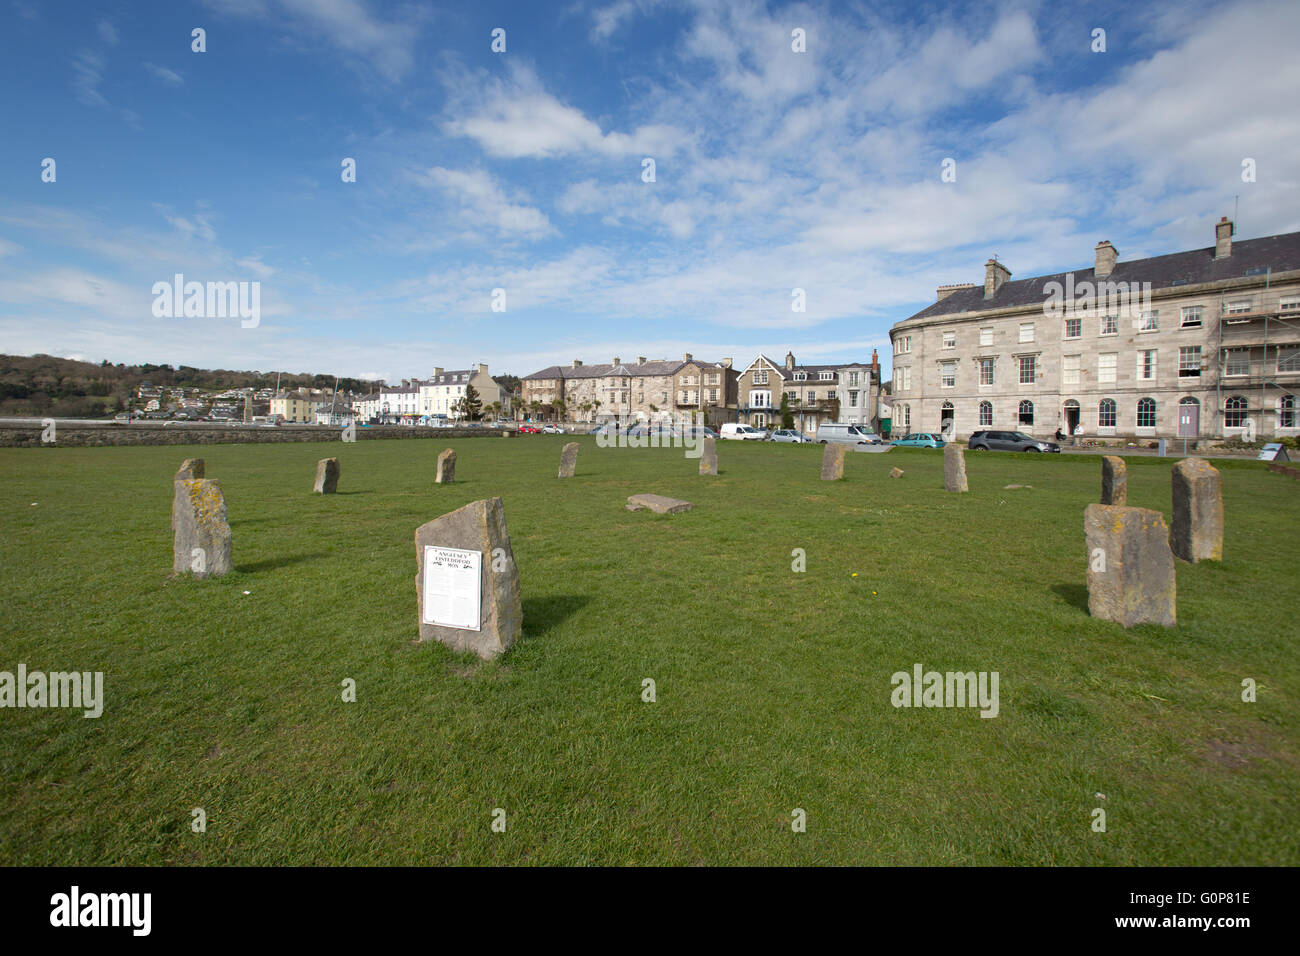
[1102, 377]
[1026, 332]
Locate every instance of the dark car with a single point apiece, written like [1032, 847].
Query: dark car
[1009, 441]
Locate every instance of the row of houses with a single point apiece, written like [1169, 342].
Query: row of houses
[436, 397]
[660, 389]
[1209, 347]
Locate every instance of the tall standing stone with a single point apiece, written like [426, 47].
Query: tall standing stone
[709, 457]
[1130, 567]
[446, 468]
[833, 462]
[954, 468]
[327, 476]
[190, 469]
[470, 601]
[1114, 480]
[201, 541]
[569, 459]
[1198, 511]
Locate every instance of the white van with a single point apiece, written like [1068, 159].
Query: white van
[734, 430]
[846, 434]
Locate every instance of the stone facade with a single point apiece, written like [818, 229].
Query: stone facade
[1212, 351]
[627, 391]
[816, 393]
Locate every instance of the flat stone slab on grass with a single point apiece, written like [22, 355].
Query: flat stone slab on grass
[478, 528]
[833, 462]
[327, 476]
[1130, 566]
[896, 473]
[1198, 511]
[658, 504]
[1013, 487]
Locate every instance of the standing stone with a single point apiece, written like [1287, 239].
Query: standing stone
[833, 462]
[954, 468]
[1198, 511]
[1130, 567]
[327, 476]
[201, 542]
[1114, 480]
[709, 457]
[190, 468]
[479, 527]
[446, 468]
[568, 459]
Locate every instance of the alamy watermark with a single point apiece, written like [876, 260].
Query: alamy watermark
[76, 689]
[675, 431]
[1070, 299]
[211, 300]
[922, 688]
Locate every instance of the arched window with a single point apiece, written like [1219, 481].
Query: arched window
[986, 414]
[1026, 412]
[1286, 417]
[1146, 413]
[1234, 412]
[1106, 413]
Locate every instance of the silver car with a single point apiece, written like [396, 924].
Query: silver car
[789, 435]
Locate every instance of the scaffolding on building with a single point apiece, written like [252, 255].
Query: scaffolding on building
[1265, 326]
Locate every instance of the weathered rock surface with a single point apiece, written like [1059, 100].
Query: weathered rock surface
[1130, 567]
[1198, 511]
[1114, 480]
[201, 539]
[658, 504]
[479, 526]
[569, 459]
[896, 473]
[446, 468]
[954, 468]
[190, 469]
[709, 457]
[327, 476]
[833, 462]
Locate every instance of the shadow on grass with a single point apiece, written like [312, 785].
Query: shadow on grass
[542, 614]
[272, 564]
[1075, 594]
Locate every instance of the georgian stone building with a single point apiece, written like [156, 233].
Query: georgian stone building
[439, 395]
[816, 393]
[626, 391]
[1198, 344]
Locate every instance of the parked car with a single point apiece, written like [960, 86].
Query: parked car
[696, 432]
[529, 430]
[920, 440]
[738, 432]
[1009, 441]
[846, 434]
[789, 435]
[553, 429]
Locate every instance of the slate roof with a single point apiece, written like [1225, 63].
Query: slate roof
[1281, 252]
[624, 369]
[452, 377]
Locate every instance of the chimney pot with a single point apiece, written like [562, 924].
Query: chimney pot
[1106, 258]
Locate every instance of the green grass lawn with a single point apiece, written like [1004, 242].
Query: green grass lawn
[773, 686]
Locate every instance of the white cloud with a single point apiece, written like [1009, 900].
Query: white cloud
[169, 77]
[87, 74]
[484, 205]
[107, 32]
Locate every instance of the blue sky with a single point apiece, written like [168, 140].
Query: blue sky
[522, 170]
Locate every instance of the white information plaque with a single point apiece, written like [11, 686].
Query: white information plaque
[452, 581]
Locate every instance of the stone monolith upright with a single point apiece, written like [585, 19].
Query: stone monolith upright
[201, 540]
[446, 468]
[954, 468]
[1114, 480]
[709, 457]
[569, 459]
[327, 476]
[466, 582]
[1198, 511]
[1130, 567]
[833, 462]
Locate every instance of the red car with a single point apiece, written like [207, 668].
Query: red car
[529, 430]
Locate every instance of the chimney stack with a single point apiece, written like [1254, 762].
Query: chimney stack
[686, 356]
[1223, 231]
[640, 360]
[875, 362]
[616, 360]
[1106, 256]
[482, 368]
[577, 363]
[995, 276]
[725, 363]
[437, 371]
[789, 361]
[946, 290]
